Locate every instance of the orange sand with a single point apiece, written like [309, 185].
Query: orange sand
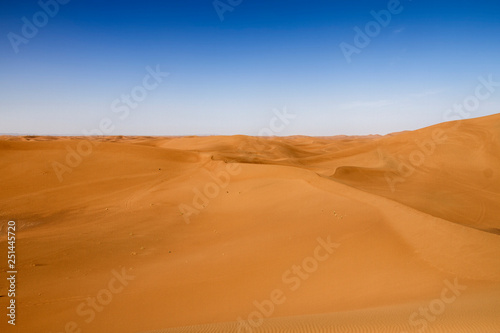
[206, 231]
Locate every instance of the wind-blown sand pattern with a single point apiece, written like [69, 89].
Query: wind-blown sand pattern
[411, 232]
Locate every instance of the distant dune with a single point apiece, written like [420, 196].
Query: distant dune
[396, 233]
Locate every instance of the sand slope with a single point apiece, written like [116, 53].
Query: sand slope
[310, 234]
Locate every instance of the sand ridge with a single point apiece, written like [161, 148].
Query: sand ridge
[207, 227]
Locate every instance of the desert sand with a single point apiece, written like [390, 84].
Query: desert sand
[395, 233]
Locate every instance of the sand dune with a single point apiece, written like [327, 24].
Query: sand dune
[396, 233]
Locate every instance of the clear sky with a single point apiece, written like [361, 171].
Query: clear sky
[233, 63]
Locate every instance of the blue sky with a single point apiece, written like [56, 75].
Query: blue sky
[229, 76]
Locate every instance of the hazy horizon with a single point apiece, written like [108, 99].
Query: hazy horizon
[223, 135]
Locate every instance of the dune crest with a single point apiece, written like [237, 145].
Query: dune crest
[207, 232]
